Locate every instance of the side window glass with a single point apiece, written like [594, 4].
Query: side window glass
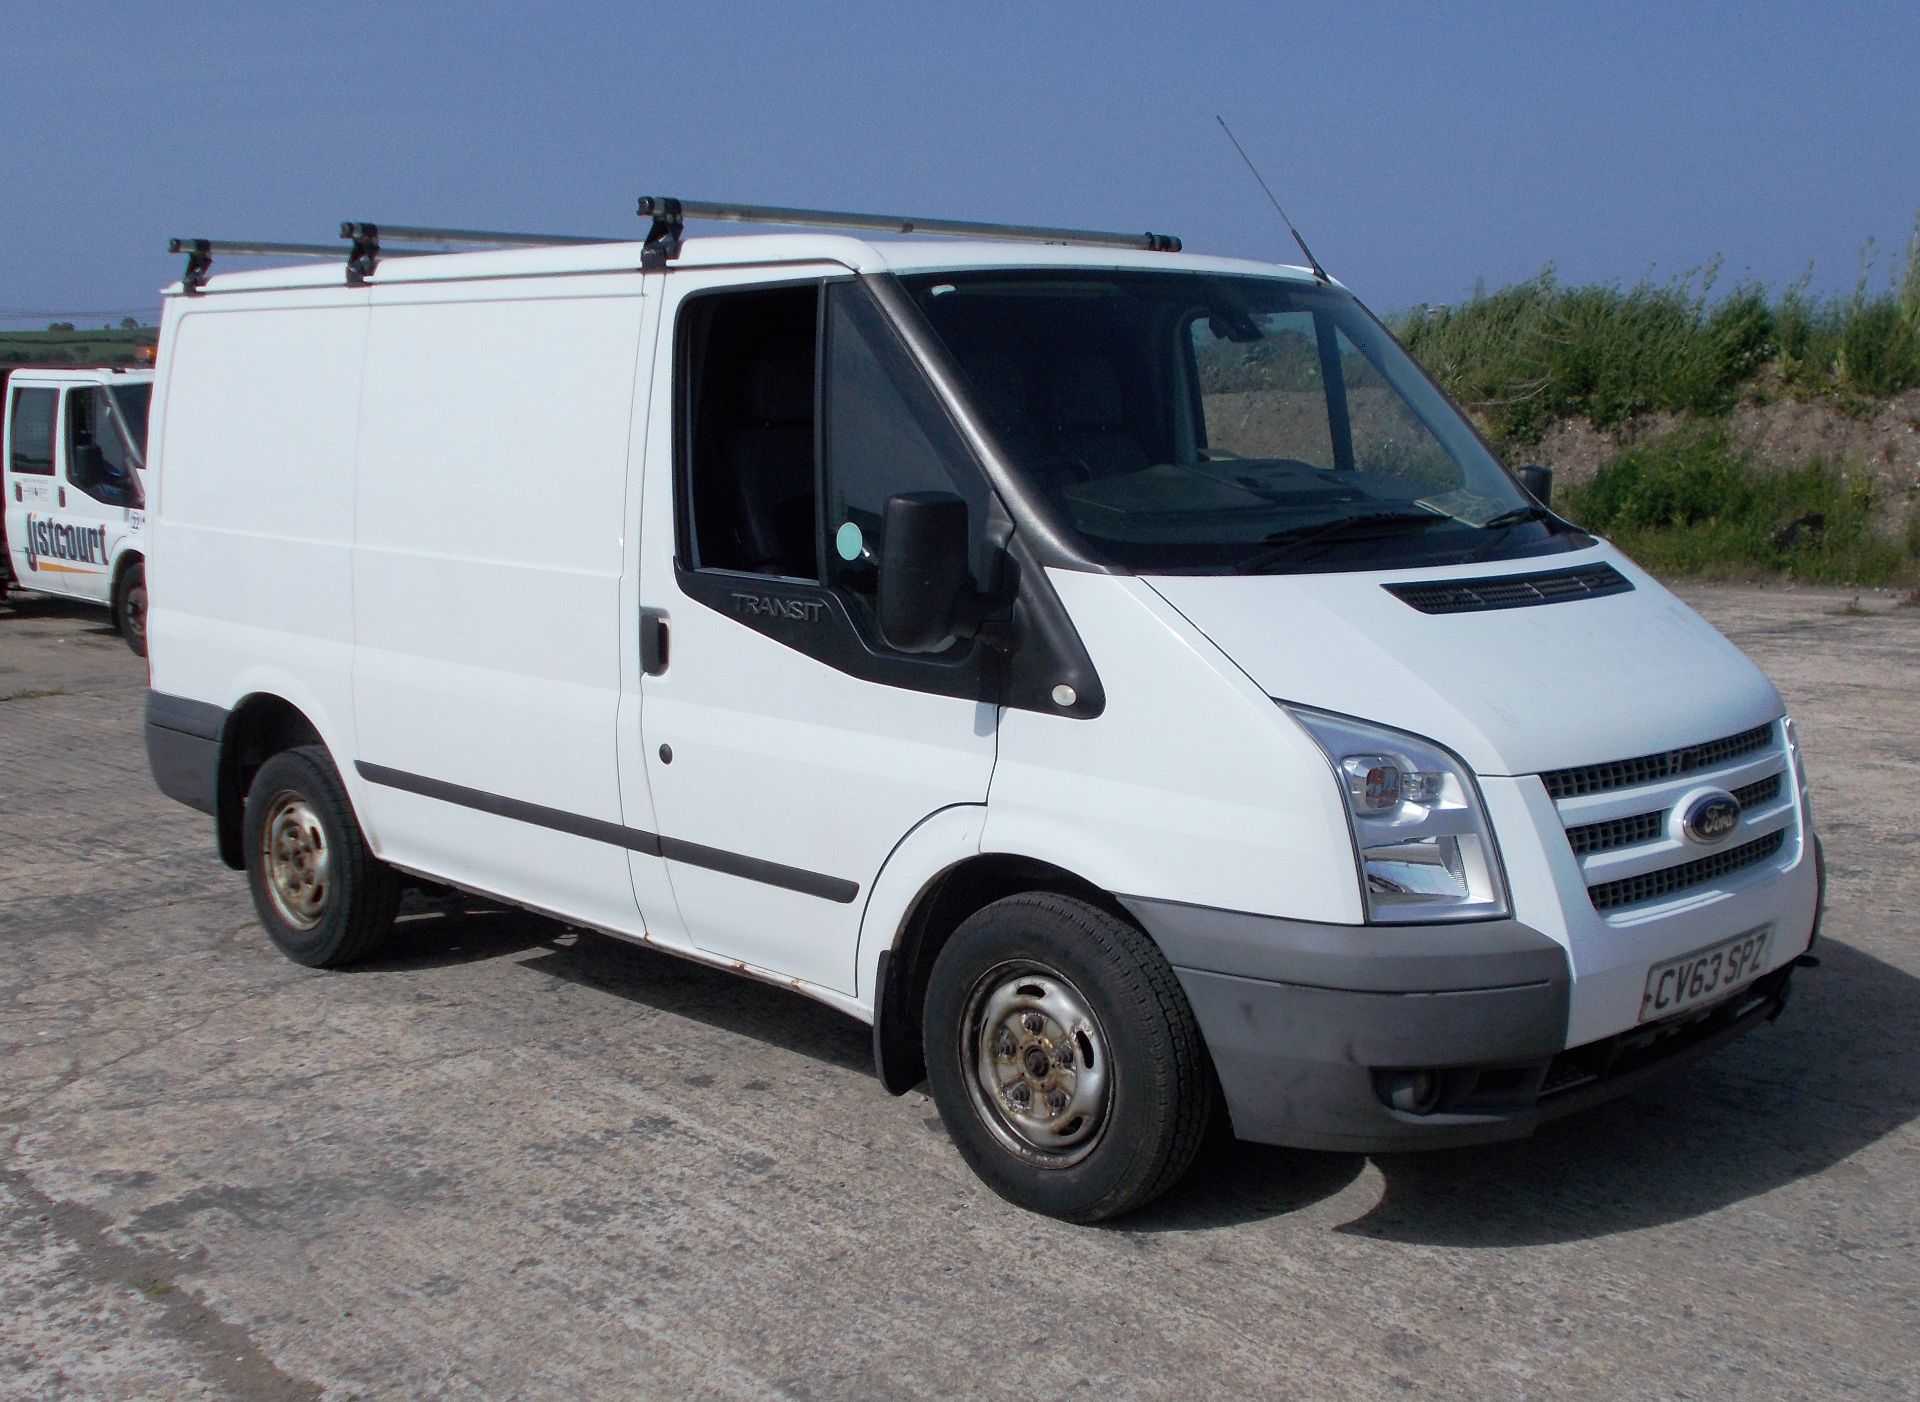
[96, 454]
[748, 381]
[32, 438]
[884, 432]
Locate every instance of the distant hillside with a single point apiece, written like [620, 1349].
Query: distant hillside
[77, 347]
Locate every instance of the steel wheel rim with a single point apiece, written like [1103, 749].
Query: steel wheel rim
[1036, 1063]
[296, 860]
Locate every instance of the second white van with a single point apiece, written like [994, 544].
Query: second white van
[73, 470]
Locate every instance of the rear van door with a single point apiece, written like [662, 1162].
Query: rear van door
[32, 490]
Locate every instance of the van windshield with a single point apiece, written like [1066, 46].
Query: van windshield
[132, 402]
[1183, 423]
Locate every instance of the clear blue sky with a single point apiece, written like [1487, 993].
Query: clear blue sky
[1421, 147]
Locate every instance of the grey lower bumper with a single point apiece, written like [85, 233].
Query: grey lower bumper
[1310, 1026]
[183, 748]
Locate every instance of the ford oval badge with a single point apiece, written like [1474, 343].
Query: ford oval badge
[1711, 817]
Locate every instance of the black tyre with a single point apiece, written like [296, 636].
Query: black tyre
[130, 606]
[323, 897]
[1064, 1058]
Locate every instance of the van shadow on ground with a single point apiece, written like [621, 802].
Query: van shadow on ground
[1790, 1100]
[94, 618]
[717, 997]
[1832, 1076]
[446, 929]
[442, 930]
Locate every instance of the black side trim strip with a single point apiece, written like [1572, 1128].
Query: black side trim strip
[807, 883]
[633, 839]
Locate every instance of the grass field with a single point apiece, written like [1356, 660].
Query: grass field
[79, 347]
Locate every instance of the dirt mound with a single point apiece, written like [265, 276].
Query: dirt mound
[1778, 433]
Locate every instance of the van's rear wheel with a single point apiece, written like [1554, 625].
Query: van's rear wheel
[322, 895]
[130, 606]
[1064, 1058]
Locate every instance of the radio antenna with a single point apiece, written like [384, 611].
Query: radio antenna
[1312, 262]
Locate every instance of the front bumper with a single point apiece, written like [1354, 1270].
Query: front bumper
[1313, 1028]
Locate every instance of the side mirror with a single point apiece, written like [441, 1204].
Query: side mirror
[923, 569]
[1538, 480]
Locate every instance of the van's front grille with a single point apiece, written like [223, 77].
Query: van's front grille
[1646, 769]
[1668, 880]
[1644, 827]
[1765, 791]
[1620, 816]
[1617, 832]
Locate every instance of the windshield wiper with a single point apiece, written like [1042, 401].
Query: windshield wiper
[1286, 544]
[1532, 511]
[1504, 524]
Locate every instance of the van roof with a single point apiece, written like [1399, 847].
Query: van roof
[79, 374]
[744, 250]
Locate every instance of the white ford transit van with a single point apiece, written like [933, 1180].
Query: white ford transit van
[1119, 676]
[73, 474]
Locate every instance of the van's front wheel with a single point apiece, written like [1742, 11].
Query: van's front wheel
[323, 897]
[1064, 1058]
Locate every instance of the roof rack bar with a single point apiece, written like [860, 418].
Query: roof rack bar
[368, 239]
[473, 238]
[200, 254]
[669, 214]
[253, 247]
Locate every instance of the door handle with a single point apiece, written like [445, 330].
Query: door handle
[63, 496]
[653, 641]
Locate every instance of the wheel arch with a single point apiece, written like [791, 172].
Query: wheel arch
[261, 726]
[942, 905]
[127, 558]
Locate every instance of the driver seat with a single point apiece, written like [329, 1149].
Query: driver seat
[1090, 419]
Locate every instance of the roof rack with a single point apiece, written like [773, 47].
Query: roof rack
[367, 245]
[669, 218]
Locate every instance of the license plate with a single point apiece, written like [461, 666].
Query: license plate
[1703, 976]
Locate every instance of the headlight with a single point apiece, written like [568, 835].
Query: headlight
[1426, 848]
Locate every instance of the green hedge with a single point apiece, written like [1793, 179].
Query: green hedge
[1686, 503]
[1529, 355]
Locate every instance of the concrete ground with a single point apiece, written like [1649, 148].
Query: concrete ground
[510, 1160]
